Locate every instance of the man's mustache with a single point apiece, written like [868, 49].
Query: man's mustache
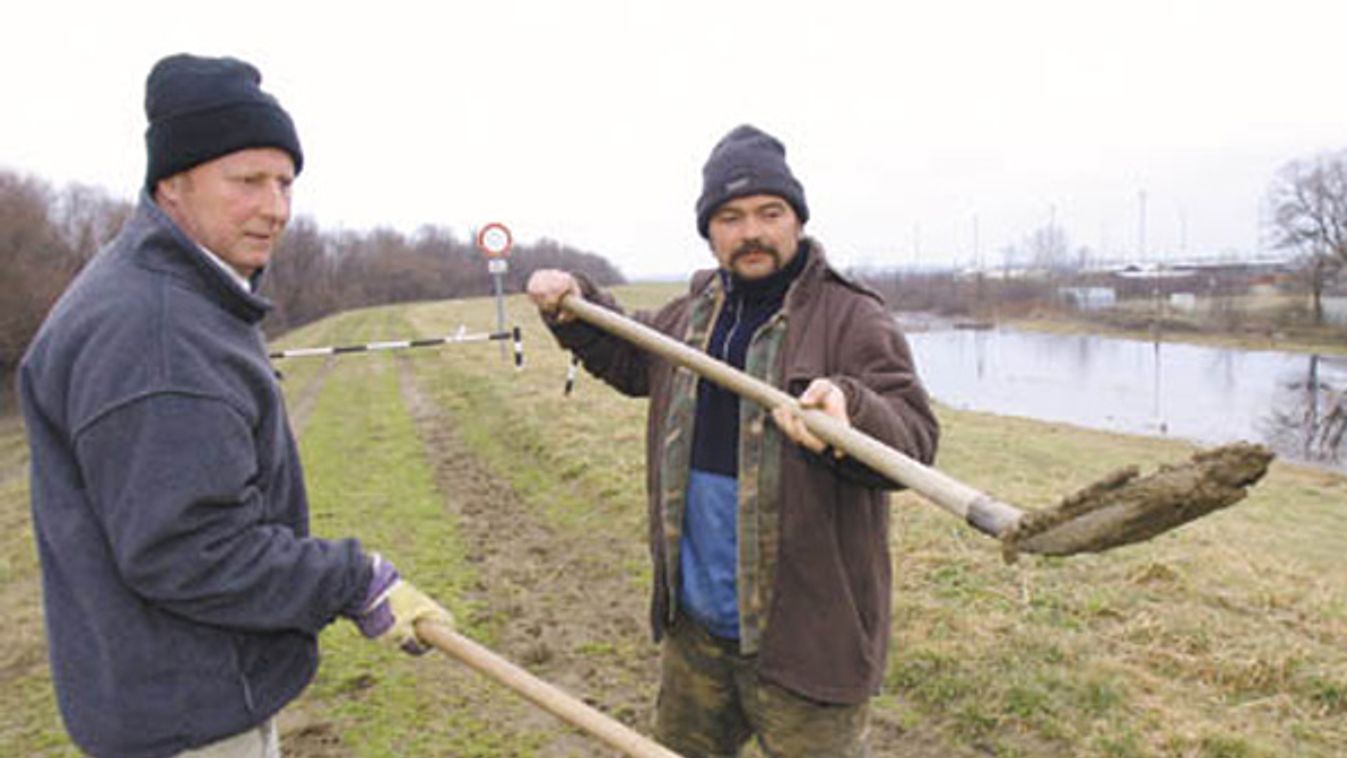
[749, 247]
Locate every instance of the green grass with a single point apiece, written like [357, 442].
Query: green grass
[1219, 639]
[368, 475]
[29, 721]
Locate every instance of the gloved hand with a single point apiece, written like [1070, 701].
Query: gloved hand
[392, 607]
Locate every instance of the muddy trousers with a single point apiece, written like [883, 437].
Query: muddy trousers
[711, 702]
[259, 742]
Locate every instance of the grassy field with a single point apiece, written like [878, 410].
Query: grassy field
[523, 511]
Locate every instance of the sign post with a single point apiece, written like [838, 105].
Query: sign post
[495, 241]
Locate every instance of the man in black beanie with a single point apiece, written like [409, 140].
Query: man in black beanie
[772, 582]
[183, 593]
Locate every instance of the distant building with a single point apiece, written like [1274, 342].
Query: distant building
[1088, 298]
[1183, 301]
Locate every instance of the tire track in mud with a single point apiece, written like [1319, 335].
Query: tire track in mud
[560, 601]
[307, 398]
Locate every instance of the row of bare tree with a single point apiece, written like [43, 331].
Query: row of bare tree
[46, 237]
[48, 234]
[315, 273]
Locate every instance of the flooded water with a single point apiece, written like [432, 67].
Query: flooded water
[1296, 403]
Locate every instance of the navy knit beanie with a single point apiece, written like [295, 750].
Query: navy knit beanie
[747, 161]
[203, 108]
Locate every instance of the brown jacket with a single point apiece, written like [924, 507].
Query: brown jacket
[827, 629]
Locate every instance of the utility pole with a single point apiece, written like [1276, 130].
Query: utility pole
[977, 252]
[977, 268]
[1051, 250]
[1141, 225]
[1183, 232]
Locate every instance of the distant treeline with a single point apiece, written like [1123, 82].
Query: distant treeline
[48, 234]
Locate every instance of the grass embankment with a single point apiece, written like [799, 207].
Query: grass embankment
[1227, 638]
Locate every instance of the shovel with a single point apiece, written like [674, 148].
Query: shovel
[1120, 509]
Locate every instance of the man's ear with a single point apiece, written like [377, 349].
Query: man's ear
[168, 190]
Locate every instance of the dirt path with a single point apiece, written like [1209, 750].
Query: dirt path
[571, 615]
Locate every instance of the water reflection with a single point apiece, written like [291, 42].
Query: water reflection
[1294, 402]
[1310, 416]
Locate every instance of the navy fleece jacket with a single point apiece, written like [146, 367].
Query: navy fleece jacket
[183, 593]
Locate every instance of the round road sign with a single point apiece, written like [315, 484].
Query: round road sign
[494, 240]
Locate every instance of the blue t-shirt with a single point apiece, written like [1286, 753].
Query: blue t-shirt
[710, 553]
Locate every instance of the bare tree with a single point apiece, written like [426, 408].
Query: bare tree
[300, 278]
[1048, 248]
[1308, 200]
[35, 265]
[86, 218]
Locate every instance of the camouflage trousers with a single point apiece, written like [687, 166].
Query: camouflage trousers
[711, 702]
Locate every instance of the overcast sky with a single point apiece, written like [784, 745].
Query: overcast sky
[921, 131]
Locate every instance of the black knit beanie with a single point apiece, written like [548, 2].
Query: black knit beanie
[747, 161]
[202, 108]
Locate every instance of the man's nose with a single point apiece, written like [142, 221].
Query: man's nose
[276, 205]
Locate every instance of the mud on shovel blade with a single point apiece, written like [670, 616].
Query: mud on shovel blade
[1118, 510]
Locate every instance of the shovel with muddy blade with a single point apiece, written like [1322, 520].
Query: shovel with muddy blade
[1120, 509]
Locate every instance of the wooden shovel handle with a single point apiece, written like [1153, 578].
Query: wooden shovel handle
[987, 514]
[551, 699]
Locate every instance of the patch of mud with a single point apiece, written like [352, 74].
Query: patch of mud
[1122, 509]
[564, 607]
[304, 736]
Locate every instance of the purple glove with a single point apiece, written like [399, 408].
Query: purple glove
[376, 615]
[392, 608]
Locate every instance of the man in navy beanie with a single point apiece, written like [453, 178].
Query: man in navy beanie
[182, 591]
[772, 578]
